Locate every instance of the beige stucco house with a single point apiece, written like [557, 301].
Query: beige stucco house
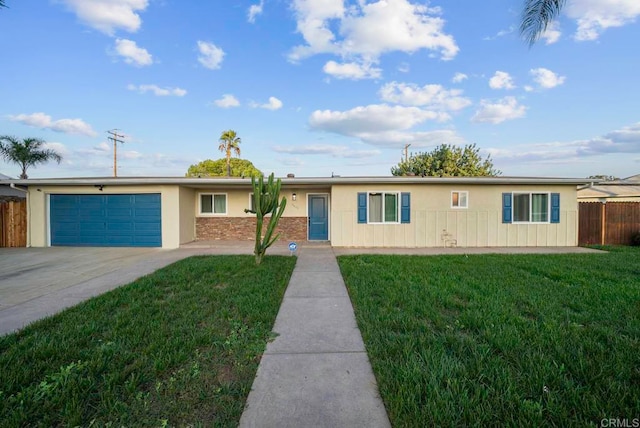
[346, 211]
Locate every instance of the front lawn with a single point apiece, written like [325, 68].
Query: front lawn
[178, 347]
[515, 340]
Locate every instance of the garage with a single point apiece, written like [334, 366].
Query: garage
[118, 220]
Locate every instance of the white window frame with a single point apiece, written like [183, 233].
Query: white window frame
[513, 207]
[251, 202]
[383, 193]
[213, 195]
[466, 198]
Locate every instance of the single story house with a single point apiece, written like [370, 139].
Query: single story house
[346, 211]
[623, 190]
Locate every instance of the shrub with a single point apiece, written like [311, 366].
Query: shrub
[635, 239]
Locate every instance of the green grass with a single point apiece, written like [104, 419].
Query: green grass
[178, 347]
[510, 340]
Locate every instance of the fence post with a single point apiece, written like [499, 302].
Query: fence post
[603, 232]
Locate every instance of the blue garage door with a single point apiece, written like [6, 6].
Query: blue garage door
[106, 220]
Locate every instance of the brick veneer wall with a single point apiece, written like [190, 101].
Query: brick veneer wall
[244, 228]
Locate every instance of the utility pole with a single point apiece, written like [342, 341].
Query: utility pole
[406, 152]
[116, 138]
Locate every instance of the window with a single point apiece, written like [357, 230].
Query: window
[252, 203]
[383, 207]
[459, 199]
[531, 207]
[213, 203]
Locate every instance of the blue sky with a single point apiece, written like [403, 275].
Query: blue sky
[315, 87]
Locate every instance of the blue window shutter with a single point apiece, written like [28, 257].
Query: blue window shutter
[362, 207]
[555, 208]
[405, 207]
[506, 207]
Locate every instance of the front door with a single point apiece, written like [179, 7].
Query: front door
[318, 218]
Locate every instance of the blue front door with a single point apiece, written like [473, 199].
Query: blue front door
[318, 218]
[129, 220]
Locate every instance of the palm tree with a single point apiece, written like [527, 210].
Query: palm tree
[536, 17]
[229, 141]
[26, 153]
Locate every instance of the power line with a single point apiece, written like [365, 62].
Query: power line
[116, 138]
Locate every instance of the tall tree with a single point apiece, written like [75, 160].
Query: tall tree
[229, 141]
[536, 17]
[27, 152]
[447, 160]
[218, 168]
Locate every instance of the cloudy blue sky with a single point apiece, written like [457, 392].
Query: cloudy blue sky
[316, 87]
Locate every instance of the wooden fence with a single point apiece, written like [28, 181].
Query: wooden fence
[13, 224]
[612, 223]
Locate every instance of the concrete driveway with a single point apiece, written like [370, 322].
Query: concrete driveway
[37, 282]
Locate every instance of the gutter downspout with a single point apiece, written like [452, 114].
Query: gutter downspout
[26, 191]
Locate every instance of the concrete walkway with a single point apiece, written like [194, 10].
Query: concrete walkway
[316, 373]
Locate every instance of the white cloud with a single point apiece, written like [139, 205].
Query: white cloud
[416, 139]
[501, 80]
[157, 90]
[108, 16]
[59, 148]
[227, 101]
[351, 70]
[371, 118]
[291, 161]
[273, 104]
[625, 140]
[44, 121]
[210, 55]
[129, 154]
[98, 161]
[505, 109]
[501, 33]
[404, 67]
[545, 78]
[459, 77]
[326, 149]
[552, 34]
[595, 16]
[431, 96]
[99, 149]
[367, 30]
[133, 54]
[255, 10]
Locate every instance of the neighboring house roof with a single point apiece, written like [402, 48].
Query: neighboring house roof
[6, 192]
[307, 181]
[626, 188]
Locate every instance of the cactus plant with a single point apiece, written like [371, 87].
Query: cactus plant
[265, 201]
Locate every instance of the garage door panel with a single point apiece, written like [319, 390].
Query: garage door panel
[120, 213]
[148, 228]
[106, 220]
[92, 227]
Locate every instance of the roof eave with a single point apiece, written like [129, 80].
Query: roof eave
[327, 181]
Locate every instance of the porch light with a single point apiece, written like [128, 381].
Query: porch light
[294, 196]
